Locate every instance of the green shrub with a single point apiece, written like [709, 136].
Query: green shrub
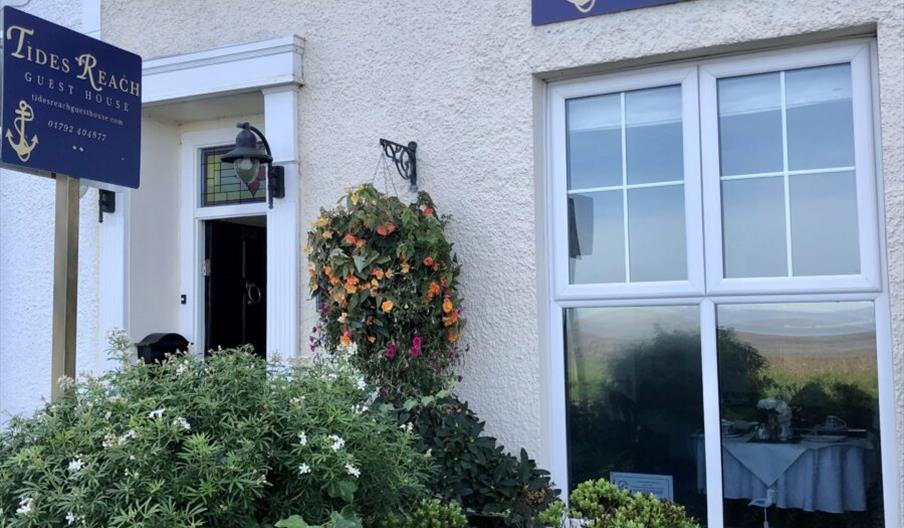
[385, 280]
[602, 504]
[474, 470]
[434, 513]
[226, 442]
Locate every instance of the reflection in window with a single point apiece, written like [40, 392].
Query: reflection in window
[221, 186]
[626, 187]
[800, 414]
[634, 397]
[786, 150]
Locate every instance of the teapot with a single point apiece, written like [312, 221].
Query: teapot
[834, 423]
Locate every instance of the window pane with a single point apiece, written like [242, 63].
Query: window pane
[817, 457]
[594, 142]
[597, 225]
[750, 124]
[634, 396]
[824, 237]
[654, 135]
[656, 233]
[753, 227]
[221, 186]
[820, 117]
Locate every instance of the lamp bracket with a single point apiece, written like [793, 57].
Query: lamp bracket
[106, 203]
[276, 183]
[405, 159]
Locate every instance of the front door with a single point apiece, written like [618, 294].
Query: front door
[235, 279]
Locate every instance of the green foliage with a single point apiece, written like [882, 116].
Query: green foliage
[226, 442]
[385, 279]
[434, 513]
[347, 518]
[602, 504]
[474, 470]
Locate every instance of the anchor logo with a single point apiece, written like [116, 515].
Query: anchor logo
[584, 6]
[22, 147]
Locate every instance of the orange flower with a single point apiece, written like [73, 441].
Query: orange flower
[387, 306]
[433, 291]
[328, 270]
[406, 267]
[372, 339]
[339, 296]
[450, 319]
[350, 239]
[360, 243]
[390, 227]
[351, 284]
[428, 261]
[453, 336]
[334, 280]
[346, 338]
[447, 305]
[378, 273]
[428, 211]
[327, 235]
[382, 231]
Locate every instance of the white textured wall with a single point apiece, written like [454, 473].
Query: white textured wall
[459, 77]
[26, 267]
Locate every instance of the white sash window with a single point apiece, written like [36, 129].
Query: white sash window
[715, 245]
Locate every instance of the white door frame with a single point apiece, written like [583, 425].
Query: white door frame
[191, 226]
[274, 68]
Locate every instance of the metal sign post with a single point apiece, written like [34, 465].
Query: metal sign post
[65, 282]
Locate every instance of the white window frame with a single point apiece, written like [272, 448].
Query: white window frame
[858, 55]
[713, 290]
[686, 78]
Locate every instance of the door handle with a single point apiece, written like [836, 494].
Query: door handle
[253, 292]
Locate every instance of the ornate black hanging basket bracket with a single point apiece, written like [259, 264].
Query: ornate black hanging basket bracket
[405, 159]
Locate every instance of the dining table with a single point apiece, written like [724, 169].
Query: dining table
[814, 473]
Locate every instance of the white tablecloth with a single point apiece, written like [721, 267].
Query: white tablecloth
[812, 476]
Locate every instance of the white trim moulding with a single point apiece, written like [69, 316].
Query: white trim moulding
[220, 71]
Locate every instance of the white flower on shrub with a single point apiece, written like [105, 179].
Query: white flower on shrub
[303, 438]
[361, 384]
[118, 339]
[156, 414]
[297, 401]
[65, 383]
[182, 368]
[304, 469]
[407, 427]
[336, 443]
[76, 465]
[359, 409]
[352, 470]
[182, 423]
[72, 518]
[26, 506]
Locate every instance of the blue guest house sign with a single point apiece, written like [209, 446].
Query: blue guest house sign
[549, 11]
[71, 104]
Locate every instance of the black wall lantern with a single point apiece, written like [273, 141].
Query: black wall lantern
[405, 159]
[247, 158]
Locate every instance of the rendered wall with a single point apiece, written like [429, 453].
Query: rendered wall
[460, 77]
[26, 266]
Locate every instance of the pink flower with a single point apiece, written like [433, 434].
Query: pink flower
[416, 347]
[391, 350]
